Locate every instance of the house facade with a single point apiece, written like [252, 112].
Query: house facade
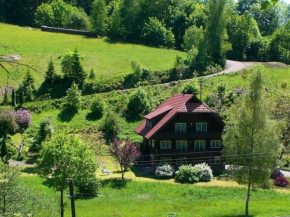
[182, 130]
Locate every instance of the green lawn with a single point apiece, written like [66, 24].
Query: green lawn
[108, 58]
[142, 198]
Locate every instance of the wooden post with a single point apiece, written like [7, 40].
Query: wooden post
[72, 197]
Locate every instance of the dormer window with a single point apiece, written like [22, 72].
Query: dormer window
[201, 127]
[180, 127]
[148, 123]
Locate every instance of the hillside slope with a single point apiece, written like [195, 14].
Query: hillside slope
[108, 58]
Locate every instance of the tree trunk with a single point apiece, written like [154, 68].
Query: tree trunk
[249, 191]
[61, 204]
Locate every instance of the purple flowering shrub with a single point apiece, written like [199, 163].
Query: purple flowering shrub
[281, 181]
[23, 118]
[125, 154]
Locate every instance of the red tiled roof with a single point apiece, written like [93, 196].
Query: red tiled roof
[160, 110]
[176, 101]
[194, 108]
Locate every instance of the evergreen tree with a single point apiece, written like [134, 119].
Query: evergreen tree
[50, 72]
[252, 139]
[99, 17]
[4, 152]
[13, 98]
[5, 99]
[73, 97]
[92, 75]
[79, 74]
[215, 31]
[28, 86]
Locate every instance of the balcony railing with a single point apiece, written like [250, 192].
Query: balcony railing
[188, 151]
[189, 135]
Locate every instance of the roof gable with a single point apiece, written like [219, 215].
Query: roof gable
[178, 103]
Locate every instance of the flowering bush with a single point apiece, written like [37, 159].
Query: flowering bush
[281, 181]
[205, 172]
[23, 118]
[164, 171]
[187, 174]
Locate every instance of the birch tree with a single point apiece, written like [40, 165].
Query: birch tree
[251, 141]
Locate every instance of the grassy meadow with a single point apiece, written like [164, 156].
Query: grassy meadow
[146, 196]
[108, 58]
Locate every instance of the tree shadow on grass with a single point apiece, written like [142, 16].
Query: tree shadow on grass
[115, 183]
[29, 170]
[67, 114]
[92, 116]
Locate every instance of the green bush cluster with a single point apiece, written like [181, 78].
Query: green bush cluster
[190, 174]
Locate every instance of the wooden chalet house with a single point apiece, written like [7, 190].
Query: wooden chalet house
[182, 130]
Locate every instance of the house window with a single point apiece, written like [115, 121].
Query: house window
[215, 160]
[165, 144]
[181, 145]
[148, 123]
[181, 160]
[215, 143]
[180, 127]
[153, 143]
[199, 145]
[201, 127]
[165, 160]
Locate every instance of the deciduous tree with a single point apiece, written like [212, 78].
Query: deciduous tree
[99, 17]
[66, 157]
[251, 141]
[125, 154]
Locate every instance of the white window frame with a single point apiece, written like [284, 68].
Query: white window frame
[148, 123]
[200, 126]
[181, 160]
[215, 160]
[183, 145]
[165, 160]
[214, 143]
[180, 127]
[165, 144]
[199, 144]
[153, 143]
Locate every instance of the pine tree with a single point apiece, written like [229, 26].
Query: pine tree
[92, 74]
[99, 17]
[5, 99]
[28, 86]
[79, 74]
[50, 72]
[13, 99]
[4, 152]
[252, 139]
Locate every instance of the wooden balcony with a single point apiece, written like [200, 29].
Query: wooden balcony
[189, 135]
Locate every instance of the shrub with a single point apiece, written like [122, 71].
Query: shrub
[205, 172]
[44, 15]
[73, 97]
[46, 129]
[155, 33]
[164, 171]
[287, 161]
[78, 20]
[192, 87]
[23, 118]
[187, 174]
[281, 181]
[277, 173]
[7, 122]
[139, 102]
[88, 186]
[111, 125]
[97, 106]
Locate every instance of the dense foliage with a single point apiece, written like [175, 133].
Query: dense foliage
[125, 154]
[281, 181]
[187, 174]
[205, 172]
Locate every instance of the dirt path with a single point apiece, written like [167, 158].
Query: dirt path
[286, 173]
[233, 66]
